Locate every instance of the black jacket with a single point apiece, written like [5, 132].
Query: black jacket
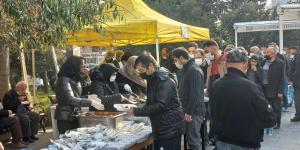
[258, 74]
[68, 94]
[276, 77]
[10, 101]
[295, 71]
[163, 106]
[191, 89]
[239, 109]
[168, 64]
[107, 91]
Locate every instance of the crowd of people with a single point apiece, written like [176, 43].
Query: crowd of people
[246, 89]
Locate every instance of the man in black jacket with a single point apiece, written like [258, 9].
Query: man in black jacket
[16, 101]
[162, 105]
[295, 76]
[191, 93]
[239, 109]
[273, 80]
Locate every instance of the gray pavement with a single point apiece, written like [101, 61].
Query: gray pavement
[43, 142]
[287, 137]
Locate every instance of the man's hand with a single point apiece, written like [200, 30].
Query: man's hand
[129, 111]
[253, 68]
[280, 95]
[97, 104]
[86, 71]
[10, 113]
[1, 146]
[94, 97]
[21, 98]
[188, 118]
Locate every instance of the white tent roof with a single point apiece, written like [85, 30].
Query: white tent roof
[289, 19]
[266, 26]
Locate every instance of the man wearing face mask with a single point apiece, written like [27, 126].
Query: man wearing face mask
[217, 67]
[273, 80]
[191, 48]
[201, 61]
[191, 94]
[162, 105]
[240, 111]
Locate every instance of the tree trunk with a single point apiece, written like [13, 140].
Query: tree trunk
[24, 72]
[54, 60]
[4, 71]
[46, 81]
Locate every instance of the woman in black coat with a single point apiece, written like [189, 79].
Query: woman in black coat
[128, 75]
[68, 91]
[105, 86]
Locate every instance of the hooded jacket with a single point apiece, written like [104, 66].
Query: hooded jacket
[107, 91]
[163, 106]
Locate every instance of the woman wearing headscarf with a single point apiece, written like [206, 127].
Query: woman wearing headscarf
[105, 87]
[128, 75]
[68, 91]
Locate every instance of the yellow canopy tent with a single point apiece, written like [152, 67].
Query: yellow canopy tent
[141, 25]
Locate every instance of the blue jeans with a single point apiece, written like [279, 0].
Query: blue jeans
[226, 146]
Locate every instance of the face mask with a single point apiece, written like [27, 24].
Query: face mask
[191, 55]
[209, 56]
[267, 57]
[199, 61]
[292, 56]
[144, 75]
[251, 54]
[179, 66]
[112, 78]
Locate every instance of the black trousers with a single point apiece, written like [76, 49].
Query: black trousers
[64, 126]
[13, 123]
[30, 122]
[169, 144]
[276, 105]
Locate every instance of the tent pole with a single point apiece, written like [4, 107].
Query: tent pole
[157, 51]
[236, 37]
[280, 35]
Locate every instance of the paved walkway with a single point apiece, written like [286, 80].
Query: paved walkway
[43, 142]
[287, 137]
